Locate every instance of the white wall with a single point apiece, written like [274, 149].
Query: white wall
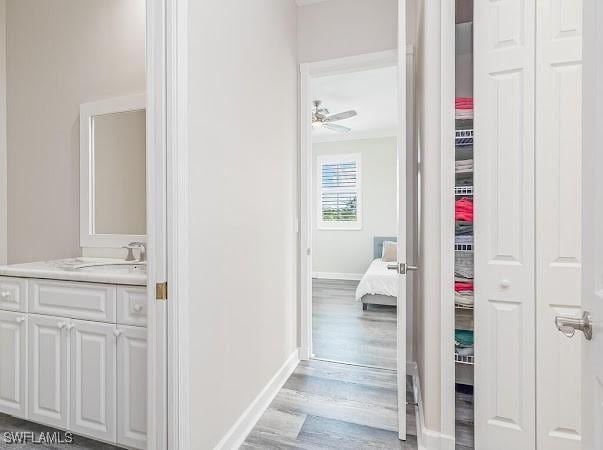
[351, 251]
[60, 53]
[243, 152]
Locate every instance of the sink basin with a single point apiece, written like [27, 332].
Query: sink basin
[102, 265]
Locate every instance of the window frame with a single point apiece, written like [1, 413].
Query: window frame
[338, 224]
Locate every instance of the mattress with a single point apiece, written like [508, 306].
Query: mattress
[378, 279]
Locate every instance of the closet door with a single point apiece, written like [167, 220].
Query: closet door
[558, 220]
[504, 224]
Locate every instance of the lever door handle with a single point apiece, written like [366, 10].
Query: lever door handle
[569, 325]
[402, 268]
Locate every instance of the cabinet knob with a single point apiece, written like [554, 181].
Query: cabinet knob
[116, 333]
[137, 308]
[61, 325]
[20, 319]
[4, 294]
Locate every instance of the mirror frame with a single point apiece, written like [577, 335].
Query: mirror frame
[88, 238]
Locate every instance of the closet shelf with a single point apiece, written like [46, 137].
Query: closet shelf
[463, 247]
[464, 359]
[463, 190]
[463, 137]
[464, 307]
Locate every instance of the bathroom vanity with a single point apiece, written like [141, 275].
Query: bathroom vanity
[73, 347]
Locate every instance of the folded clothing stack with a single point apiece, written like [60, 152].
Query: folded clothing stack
[463, 290]
[463, 209]
[463, 342]
[463, 166]
[463, 265]
[464, 107]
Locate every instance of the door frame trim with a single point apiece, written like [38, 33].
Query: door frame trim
[447, 205]
[308, 71]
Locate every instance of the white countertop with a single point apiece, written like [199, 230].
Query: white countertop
[92, 270]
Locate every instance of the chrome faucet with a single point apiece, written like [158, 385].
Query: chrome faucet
[143, 251]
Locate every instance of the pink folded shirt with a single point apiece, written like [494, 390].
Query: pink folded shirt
[463, 209]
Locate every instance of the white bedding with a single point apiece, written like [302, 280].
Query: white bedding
[378, 279]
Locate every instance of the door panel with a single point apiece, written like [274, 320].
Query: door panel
[48, 370]
[93, 376]
[504, 225]
[132, 386]
[13, 377]
[592, 224]
[558, 219]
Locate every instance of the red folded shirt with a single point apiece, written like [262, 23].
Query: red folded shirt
[463, 209]
[464, 102]
[463, 286]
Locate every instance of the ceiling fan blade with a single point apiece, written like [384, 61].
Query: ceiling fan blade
[341, 116]
[335, 127]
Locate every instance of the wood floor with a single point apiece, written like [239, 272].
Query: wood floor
[342, 331]
[326, 405]
[10, 424]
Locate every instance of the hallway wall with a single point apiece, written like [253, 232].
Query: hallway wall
[242, 168]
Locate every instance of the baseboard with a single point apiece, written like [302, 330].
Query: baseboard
[337, 276]
[235, 437]
[426, 439]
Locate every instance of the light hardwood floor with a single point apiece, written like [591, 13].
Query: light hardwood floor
[327, 405]
[342, 331]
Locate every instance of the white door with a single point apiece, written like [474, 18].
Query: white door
[402, 265]
[505, 384]
[48, 370]
[592, 227]
[132, 386]
[93, 379]
[558, 220]
[13, 379]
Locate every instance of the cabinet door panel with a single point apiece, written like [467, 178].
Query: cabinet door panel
[48, 370]
[93, 360]
[13, 377]
[132, 387]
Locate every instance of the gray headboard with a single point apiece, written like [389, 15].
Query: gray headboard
[378, 244]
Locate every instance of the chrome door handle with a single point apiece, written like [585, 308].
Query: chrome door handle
[569, 325]
[401, 268]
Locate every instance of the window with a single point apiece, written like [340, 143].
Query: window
[339, 192]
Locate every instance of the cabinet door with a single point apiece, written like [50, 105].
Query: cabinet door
[13, 378]
[92, 382]
[48, 370]
[132, 386]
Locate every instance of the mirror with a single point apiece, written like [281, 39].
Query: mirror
[113, 172]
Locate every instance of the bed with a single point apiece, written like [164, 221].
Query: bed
[379, 285]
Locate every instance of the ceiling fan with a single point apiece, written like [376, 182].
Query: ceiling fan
[321, 118]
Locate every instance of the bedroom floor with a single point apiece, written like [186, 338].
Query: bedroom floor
[342, 331]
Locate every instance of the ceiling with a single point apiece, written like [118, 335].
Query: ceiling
[372, 93]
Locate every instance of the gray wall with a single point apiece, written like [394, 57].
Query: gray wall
[242, 172]
[60, 54]
[351, 251]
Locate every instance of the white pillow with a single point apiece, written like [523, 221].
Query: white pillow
[390, 251]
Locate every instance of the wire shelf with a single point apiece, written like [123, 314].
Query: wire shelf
[463, 137]
[461, 359]
[463, 190]
[464, 307]
[463, 247]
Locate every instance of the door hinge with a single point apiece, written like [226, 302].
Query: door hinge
[161, 291]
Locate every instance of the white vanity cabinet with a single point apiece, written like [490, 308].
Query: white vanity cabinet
[48, 350]
[13, 351]
[93, 379]
[75, 358]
